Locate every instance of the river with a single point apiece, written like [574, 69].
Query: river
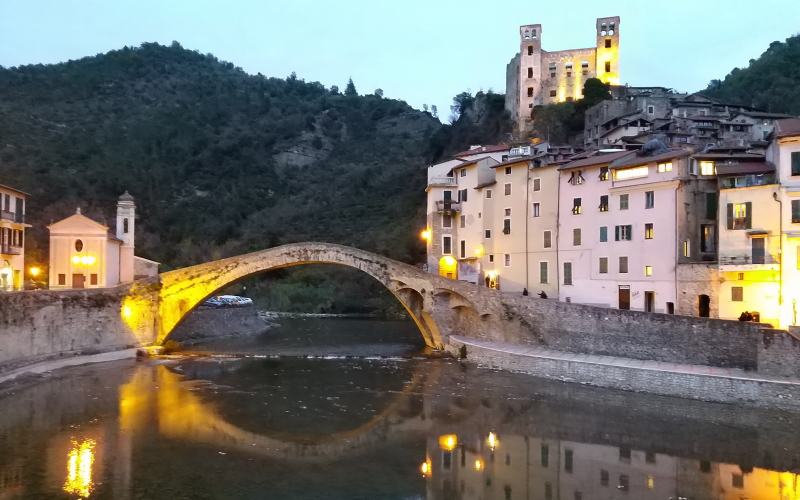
[353, 409]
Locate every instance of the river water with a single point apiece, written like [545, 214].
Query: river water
[356, 411]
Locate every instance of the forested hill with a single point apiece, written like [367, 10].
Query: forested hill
[220, 162]
[771, 82]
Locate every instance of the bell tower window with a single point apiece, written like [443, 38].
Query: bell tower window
[125, 225]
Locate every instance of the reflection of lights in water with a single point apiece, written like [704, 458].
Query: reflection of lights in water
[79, 468]
[492, 440]
[448, 441]
[478, 465]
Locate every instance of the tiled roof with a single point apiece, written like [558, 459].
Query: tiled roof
[641, 160]
[745, 168]
[13, 189]
[484, 149]
[788, 127]
[598, 159]
[727, 156]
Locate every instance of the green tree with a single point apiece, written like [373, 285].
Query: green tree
[350, 90]
[594, 91]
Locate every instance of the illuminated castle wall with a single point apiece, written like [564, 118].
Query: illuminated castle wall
[536, 77]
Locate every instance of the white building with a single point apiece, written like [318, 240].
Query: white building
[85, 254]
[12, 238]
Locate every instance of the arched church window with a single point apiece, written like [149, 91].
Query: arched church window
[78, 245]
[125, 226]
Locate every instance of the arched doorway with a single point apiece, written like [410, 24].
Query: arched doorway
[704, 306]
[448, 267]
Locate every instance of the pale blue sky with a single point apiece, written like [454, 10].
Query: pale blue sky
[418, 51]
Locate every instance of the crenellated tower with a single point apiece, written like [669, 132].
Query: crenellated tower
[607, 66]
[530, 69]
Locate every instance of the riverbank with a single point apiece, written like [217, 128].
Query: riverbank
[699, 382]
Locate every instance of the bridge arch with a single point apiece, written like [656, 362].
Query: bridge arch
[184, 289]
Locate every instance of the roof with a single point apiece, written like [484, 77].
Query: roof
[2, 186]
[787, 128]
[79, 220]
[598, 159]
[485, 184]
[519, 159]
[484, 149]
[639, 160]
[729, 156]
[750, 167]
[113, 237]
[764, 114]
[703, 118]
[126, 196]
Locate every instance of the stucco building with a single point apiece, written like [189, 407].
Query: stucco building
[12, 238]
[536, 77]
[87, 254]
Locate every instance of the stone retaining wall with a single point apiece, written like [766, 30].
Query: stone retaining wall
[206, 323]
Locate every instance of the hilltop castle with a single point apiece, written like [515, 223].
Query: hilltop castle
[536, 77]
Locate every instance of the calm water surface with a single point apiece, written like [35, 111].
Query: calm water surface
[372, 427]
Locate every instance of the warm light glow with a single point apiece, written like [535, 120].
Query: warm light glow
[449, 261]
[76, 259]
[34, 271]
[650, 482]
[648, 270]
[426, 468]
[491, 274]
[448, 441]
[492, 440]
[478, 465]
[79, 468]
[126, 311]
[86, 260]
[630, 173]
[479, 251]
[426, 235]
[707, 168]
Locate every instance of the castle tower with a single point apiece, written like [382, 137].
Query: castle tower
[530, 70]
[607, 63]
[126, 225]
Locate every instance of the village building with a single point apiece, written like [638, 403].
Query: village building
[12, 238]
[87, 254]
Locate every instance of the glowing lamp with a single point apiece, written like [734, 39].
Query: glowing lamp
[449, 261]
[34, 271]
[126, 311]
[492, 440]
[426, 235]
[426, 468]
[76, 259]
[448, 441]
[5, 271]
[479, 251]
[478, 465]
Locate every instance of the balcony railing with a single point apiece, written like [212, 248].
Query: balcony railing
[442, 181]
[10, 250]
[448, 206]
[747, 260]
[12, 217]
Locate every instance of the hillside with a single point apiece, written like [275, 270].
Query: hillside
[771, 82]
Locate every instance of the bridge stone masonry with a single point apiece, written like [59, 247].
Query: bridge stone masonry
[40, 325]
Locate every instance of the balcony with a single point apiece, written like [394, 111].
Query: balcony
[12, 217]
[442, 181]
[766, 262]
[448, 206]
[10, 250]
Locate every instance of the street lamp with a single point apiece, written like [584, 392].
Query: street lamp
[34, 271]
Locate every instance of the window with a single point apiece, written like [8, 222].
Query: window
[62, 279]
[624, 482]
[622, 233]
[553, 93]
[740, 215]
[78, 245]
[548, 240]
[648, 231]
[624, 454]
[795, 211]
[650, 457]
[603, 265]
[543, 277]
[796, 163]
[707, 237]
[687, 251]
[576, 178]
[506, 226]
[576, 237]
[604, 203]
[737, 294]
[463, 221]
[463, 172]
[584, 64]
[507, 212]
[491, 258]
[567, 273]
[648, 270]
[487, 233]
[623, 202]
[507, 259]
[508, 170]
[530, 50]
[603, 477]
[447, 245]
[548, 491]
[488, 194]
[603, 173]
[545, 454]
[665, 167]
[576, 206]
[552, 75]
[447, 221]
[608, 43]
[463, 249]
[125, 225]
[535, 212]
[737, 481]
[568, 461]
[462, 195]
[537, 184]
[623, 265]
[92, 279]
[569, 74]
[707, 168]
[631, 173]
[608, 66]
[649, 199]
[507, 189]
[530, 91]
[530, 72]
[711, 206]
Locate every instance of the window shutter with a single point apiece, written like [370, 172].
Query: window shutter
[465, 195]
[711, 205]
[730, 215]
[616, 233]
[748, 216]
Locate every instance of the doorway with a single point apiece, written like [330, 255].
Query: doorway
[704, 306]
[649, 302]
[448, 267]
[759, 252]
[625, 297]
[78, 280]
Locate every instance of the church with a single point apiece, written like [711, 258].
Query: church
[87, 254]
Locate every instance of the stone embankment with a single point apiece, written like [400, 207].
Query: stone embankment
[205, 323]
